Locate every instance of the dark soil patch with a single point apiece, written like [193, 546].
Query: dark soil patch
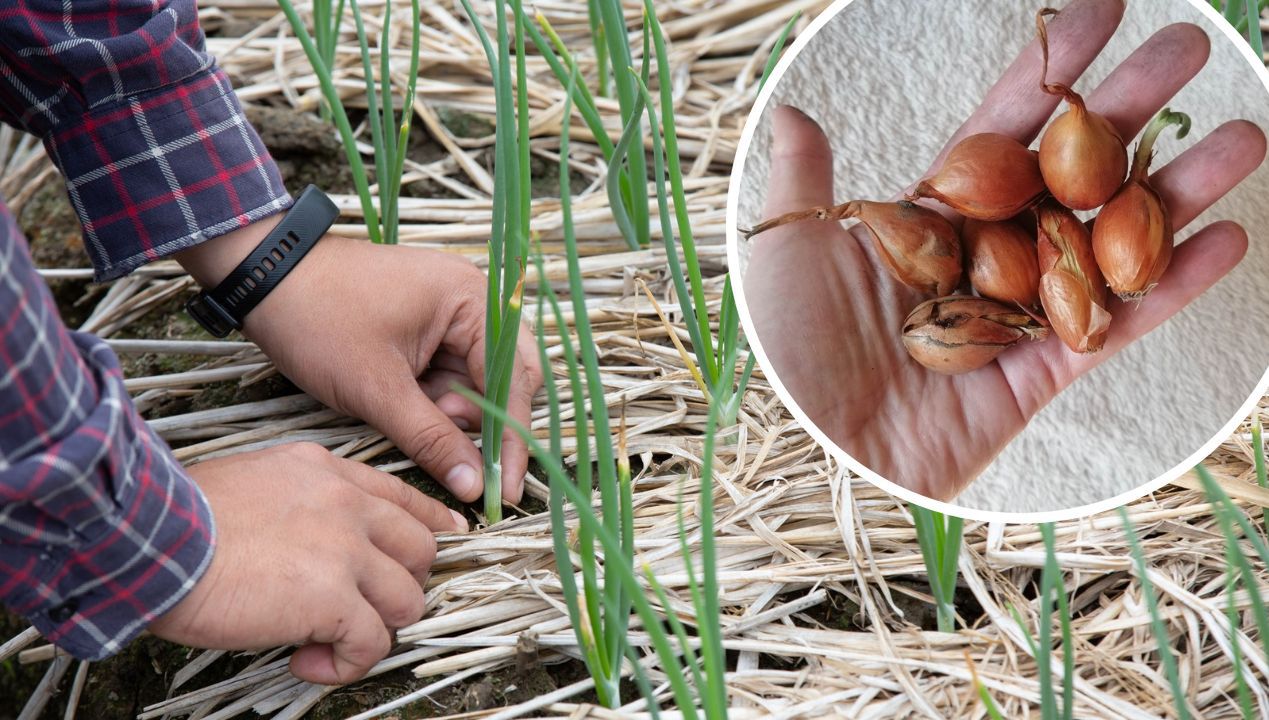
[118, 688]
[304, 147]
[504, 687]
[57, 241]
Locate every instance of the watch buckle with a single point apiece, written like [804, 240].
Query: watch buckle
[210, 315]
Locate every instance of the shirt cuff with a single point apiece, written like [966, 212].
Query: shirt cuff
[133, 563]
[165, 170]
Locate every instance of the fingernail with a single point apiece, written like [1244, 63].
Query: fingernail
[463, 480]
[460, 522]
[461, 423]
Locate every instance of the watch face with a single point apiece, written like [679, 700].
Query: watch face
[209, 314]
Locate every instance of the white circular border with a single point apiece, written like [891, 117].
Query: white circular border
[733, 261]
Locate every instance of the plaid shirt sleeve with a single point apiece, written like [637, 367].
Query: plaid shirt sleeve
[101, 530]
[145, 127]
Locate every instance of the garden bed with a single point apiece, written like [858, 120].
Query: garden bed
[823, 590]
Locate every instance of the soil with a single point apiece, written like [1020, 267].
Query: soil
[527, 680]
[840, 613]
[56, 239]
[304, 147]
[120, 687]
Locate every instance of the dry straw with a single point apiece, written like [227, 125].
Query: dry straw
[822, 584]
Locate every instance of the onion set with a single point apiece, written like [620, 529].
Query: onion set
[1000, 258]
[1082, 157]
[1071, 286]
[918, 246]
[954, 335]
[1132, 237]
[987, 176]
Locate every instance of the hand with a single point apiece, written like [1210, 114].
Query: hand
[313, 550]
[384, 333]
[816, 290]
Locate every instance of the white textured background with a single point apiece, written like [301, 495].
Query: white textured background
[892, 79]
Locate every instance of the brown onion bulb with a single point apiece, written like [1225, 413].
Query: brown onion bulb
[988, 176]
[1072, 290]
[954, 335]
[918, 246]
[1000, 258]
[1082, 156]
[1132, 236]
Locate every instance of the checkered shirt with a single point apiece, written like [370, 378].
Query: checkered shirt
[101, 530]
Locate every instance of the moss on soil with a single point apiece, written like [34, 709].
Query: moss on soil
[464, 124]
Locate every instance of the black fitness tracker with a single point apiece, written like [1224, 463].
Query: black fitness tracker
[223, 309]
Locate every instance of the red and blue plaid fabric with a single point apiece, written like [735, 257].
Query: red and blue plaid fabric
[101, 530]
[147, 130]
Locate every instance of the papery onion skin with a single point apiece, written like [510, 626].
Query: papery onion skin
[987, 176]
[960, 334]
[918, 246]
[1072, 289]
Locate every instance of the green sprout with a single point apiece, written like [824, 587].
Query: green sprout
[940, 537]
[388, 133]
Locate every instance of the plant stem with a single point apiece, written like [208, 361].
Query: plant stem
[940, 539]
[1258, 452]
[324, 79]
[1145, 149]
[1163, 642]
[778, 48]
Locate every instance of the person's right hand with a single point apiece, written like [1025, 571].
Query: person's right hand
[314, 550]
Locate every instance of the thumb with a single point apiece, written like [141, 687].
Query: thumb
[801, 174]
[432, 440]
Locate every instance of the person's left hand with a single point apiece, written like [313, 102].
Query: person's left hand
[384, 333]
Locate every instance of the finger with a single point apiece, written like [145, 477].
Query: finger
[526, 380]
[1016, 105]
[392, 590]
[463, 412]
[437, 382]
[402, 538]
[801, 164]
[1197, 264]
[1149, 77]
[1204, 173]
[344, 647]
[446, 360]
[432, 440]
[427, 510]
[440, 385]
[398, 407]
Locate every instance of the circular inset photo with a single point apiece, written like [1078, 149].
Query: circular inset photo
[1005, 259]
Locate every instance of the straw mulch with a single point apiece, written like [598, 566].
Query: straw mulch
[822, 580]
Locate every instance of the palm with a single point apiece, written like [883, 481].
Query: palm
[826, 313]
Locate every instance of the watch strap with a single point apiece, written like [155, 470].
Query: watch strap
[223, 309]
